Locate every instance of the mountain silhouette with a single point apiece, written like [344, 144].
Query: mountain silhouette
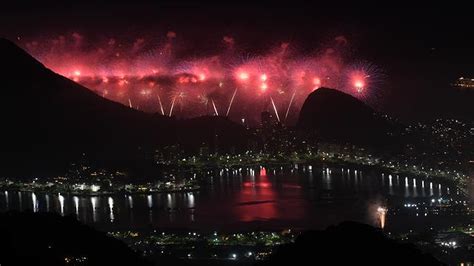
[49, 120]
[336, 116]
[50, 239]
[349, 243]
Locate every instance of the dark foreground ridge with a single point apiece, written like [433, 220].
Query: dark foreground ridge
[49, 239]
[348, 243]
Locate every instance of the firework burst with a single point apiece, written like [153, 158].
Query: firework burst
[145, 70]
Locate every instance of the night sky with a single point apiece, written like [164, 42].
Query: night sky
[420, 49]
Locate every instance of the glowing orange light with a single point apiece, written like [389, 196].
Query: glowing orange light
[122, 82]
[264, 87]
[317, 81]
[359, 85]
[263, 77]
[382, 212]
[145, 92]
[202, 77]
[243, 75]
[77, 73]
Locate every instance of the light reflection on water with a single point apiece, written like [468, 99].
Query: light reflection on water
[61, 203]
[111, 209]
[35, 202]
[303, 196]
[7, 205]
[76, 205]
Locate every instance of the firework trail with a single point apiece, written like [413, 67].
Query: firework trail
[161, 105]
[289, 105]
[215, 109]
[382, 212]
[130, 103]
[230, 103]
[172, 106]
[274, 108]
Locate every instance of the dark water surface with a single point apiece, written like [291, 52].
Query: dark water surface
[247, 199]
